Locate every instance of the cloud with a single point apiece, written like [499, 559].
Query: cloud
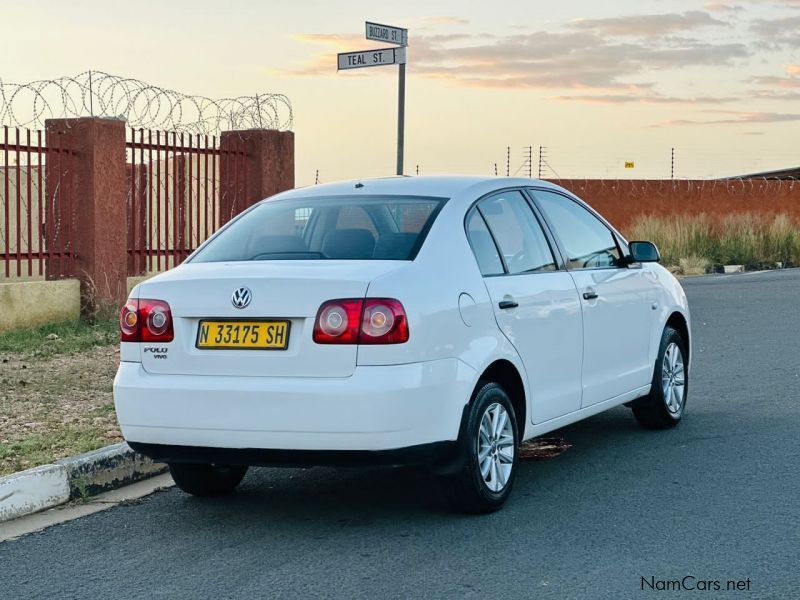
[773, 95]
[648, 99]
[734, 117]
[563, 60]
[584, 60]
[778, 33]
[323, 63]
[793, 69]
[648, 25]
[443, 20]
[774, 81]
[723, 6]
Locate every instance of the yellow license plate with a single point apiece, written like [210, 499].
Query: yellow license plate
[243, 335]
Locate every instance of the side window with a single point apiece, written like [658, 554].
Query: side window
[355, 217]
[589, 244]
[518, 233]
[482, 245]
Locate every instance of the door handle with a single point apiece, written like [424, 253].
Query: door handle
[589, 294]
[508, 304]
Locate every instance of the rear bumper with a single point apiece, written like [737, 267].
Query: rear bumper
[378, 408]
[436, 454]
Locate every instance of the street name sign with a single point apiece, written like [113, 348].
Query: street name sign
[387, 33]
[371, 58]
[380, 58]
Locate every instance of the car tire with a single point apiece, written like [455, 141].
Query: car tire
[206, 480]
[664, 406]
[488, 453]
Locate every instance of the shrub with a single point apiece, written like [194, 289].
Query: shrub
[750, 239]
[693, 265]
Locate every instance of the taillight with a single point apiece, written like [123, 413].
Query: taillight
[383, 322]
[356, 321]
[129, 322]
[337, 322]
[146, 320]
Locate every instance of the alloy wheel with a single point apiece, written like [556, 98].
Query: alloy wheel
[495, 447]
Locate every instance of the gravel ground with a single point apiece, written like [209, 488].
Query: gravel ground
[55, 407]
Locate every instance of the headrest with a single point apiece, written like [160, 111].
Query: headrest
[348, 243]
[394, 246]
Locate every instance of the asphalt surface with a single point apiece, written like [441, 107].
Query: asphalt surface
[717, 498]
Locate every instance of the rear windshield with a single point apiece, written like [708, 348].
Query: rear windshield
[340, 227]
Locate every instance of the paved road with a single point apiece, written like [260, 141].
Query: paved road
[717, 498]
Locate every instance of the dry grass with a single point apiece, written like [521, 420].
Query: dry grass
[693, 243]
[693, 265]
[55, 394]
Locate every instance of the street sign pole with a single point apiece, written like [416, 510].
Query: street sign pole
[396, 55]
[401, 116]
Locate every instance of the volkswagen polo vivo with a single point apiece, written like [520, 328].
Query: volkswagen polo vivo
[427, 320]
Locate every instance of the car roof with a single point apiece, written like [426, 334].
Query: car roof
[442, 186]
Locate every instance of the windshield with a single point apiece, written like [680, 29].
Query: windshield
[337, 227]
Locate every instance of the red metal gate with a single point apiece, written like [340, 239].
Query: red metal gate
[174, 194]
[36, 203]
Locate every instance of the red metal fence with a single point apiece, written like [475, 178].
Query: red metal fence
[36, 205]
[175, 199]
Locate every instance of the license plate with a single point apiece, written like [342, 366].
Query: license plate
[243, 335]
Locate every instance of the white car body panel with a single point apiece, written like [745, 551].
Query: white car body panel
[616, 332]
[419, 403]
[546, 331]
[361, 397]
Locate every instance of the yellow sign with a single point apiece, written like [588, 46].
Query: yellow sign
[629, 164]
[258, 335]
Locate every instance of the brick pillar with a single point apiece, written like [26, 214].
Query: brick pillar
[255, 164]
[98, 230]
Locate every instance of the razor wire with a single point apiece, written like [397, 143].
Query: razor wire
[142, 105]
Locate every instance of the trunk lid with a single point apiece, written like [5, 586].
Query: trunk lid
[290, 290]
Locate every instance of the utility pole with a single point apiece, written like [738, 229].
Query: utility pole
[495, 169]
[541, 160]
[316, 178]
[529, 161]
[508, 161]
[417, 169]
[672, 165]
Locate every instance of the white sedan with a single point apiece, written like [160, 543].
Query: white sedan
[427, 320]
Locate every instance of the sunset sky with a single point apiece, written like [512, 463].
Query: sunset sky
[596, 83]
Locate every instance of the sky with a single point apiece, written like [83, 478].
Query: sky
[597, 84]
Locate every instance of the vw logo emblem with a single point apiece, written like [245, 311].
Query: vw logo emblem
[241, 297]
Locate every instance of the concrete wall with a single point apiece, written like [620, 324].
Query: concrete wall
[134, 281]
[32, 303]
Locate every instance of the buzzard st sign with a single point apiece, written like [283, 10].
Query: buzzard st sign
[380, 58]
[387, 33]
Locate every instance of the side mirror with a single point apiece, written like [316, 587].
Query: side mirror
[643, 252]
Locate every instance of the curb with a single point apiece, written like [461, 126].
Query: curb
[75, 477]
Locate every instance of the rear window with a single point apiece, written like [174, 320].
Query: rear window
[340, 228]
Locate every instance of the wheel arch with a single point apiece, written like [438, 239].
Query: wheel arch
[506, 374]
[678, 322]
